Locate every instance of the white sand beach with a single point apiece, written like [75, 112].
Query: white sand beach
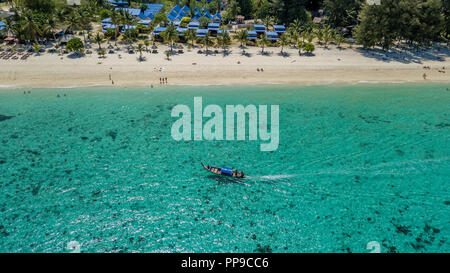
[333, 65]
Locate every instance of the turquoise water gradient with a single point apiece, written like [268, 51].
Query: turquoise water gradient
[355, 164]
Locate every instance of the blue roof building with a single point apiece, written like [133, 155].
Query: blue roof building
[158, 30]
[178, 13]
[106, 21]
[194, 25]
[252, 35]
[145, 22]
[213, 26]
[260, 28]
[272, 35]
[201, 32]
[151, 11]
[279, 29]
[117, 3]
[181, 31]
[217, 17]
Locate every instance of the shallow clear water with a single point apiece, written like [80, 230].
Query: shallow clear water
[355, 164]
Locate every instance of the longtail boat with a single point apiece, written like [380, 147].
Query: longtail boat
[224, 171]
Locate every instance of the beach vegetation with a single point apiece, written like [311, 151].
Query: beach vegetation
[99, 39]
[309, 48]
[75, 45]
[263, 42]
[190, 36]
[283, 42]
[242, 37]
[146, 44]
[36, 48]
[224, 40]
[140, 48]
[342, 13]
[207, 42]
[101, 53]
[170, 36]
[339, 40]
[300, 46]
[414, 22]
[410, 23]
[204, 21]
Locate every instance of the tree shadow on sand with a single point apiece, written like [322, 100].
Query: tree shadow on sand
[75, 55]
[143, 59]
[407, 55]
[284, 54]
[265, 53]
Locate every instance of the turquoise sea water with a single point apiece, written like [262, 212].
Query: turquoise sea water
[99, 167]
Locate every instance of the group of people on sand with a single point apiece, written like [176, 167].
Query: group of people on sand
[163, 80]
[260, 69]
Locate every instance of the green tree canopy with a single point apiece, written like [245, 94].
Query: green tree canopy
[75, 45]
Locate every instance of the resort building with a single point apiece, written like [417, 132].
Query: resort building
[178, 13]
[259, 29]
[146, 17]
[117, 3]
[201, 32]
[150, 13]
[194, 25]
[252, 35]
[273, 36]
[213, 28]
[280, 29]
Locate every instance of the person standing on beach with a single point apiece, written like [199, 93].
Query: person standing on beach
[166, 80]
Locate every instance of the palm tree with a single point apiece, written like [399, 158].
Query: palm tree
[267, 21]
[143, 8]
[292, 34]
[129, 37]
[190, 36]
[242, 37]
[127, 18]
[140, 48]
[36, 48]
[50, 26]
[12, 27]
[207, 42]
[296, 25]
[98, 39]
[283, 41]
[263, 42]
[224, 40]
[115, 20]
[300, 45]
[72, 22]
[339, 38]
[170, 35]
[308, 36]
[85, 18]
[30, 26]
[327, 35]
[146, 43]
[102, 53]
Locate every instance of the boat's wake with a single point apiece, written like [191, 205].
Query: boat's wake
[272, 178]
